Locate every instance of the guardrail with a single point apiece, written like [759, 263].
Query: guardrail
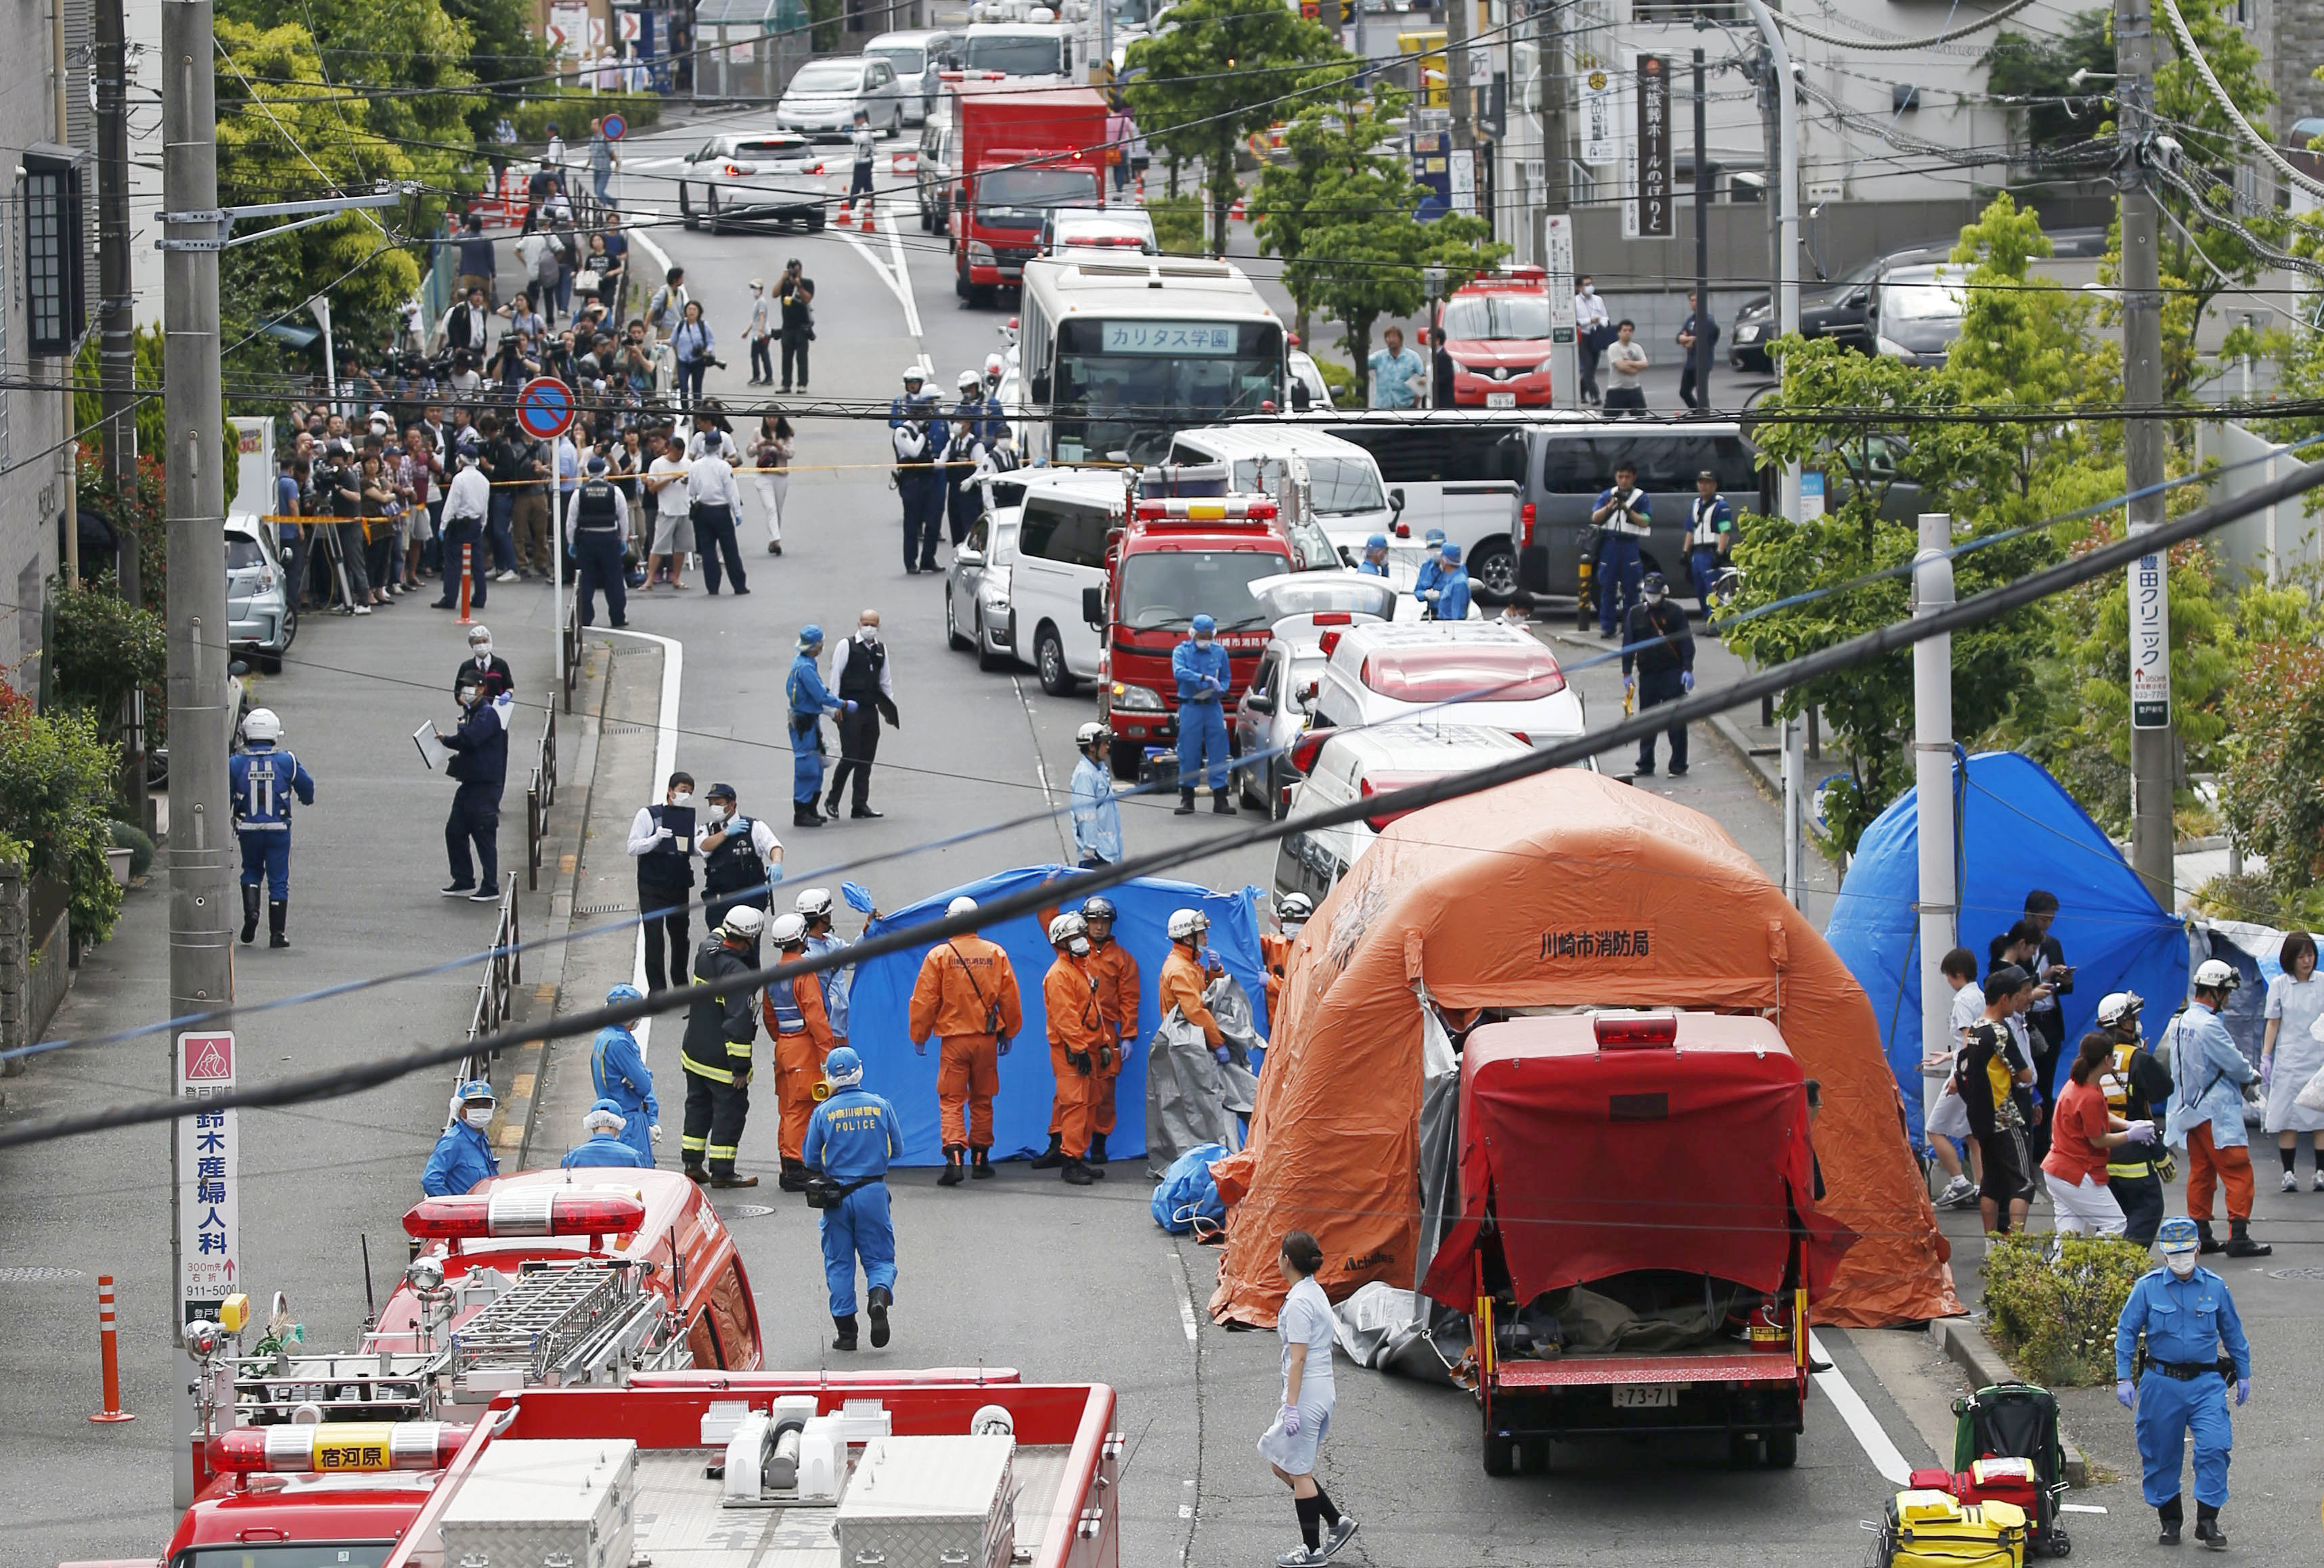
[571, 632]
[496, 993]
[539, 795]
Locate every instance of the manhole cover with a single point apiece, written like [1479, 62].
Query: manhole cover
[745, 1210]
[2308, 1274]
[36, 1276]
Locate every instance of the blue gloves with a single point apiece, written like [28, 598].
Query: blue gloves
[1222, 1056]
[2267, 1071]
[847, 704]
[2126, 1394]
[1288, 1416]
[858, 897]
[2243, 1391]
[1686, 680]
[919, 1047]
[1001, 1048]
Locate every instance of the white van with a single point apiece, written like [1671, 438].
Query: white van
[1450, 672]
[1344, 486]
[1360, 762]
[1061, 530]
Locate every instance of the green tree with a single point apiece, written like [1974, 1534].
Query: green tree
[56, 779]
[1220, 72]
[2042, 69]
[1338, 132]
[2272, 791]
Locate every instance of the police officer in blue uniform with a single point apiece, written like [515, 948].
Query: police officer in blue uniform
[1199, 664]
[479, 762]
[1375, 560]
[976, 422]
[604, 1145]
[2186, 1314]
[600, 523]
[810, 699]
[263, 780]
[850, 1139]
[1431, 568]
[1449, 598]
[919, 435]
[463, 1155]
[619, 1074]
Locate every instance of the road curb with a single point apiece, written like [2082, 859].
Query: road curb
[1965, 1344]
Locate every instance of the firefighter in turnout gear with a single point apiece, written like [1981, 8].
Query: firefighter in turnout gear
[262, 779]
[2136, 1086]
[720, 1029]
[801, 1032]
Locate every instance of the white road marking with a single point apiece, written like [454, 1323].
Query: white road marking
[2080, 1508]
[899, 281]
[1041, 771]
[1869, 1435]
[1177, 1267]
[673, 671]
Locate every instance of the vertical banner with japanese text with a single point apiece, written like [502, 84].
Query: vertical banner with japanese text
[209, 1224]
[2150, 644]
[1653, 148]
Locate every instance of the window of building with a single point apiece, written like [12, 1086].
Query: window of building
[53, 311]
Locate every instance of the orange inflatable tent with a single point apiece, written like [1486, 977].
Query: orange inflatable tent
[1567, 889]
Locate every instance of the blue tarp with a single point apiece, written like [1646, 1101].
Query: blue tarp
[2017, 830]
[879, 1008]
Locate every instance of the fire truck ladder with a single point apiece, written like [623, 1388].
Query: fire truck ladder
[573, 1323]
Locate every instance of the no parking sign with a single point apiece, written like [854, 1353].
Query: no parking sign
[544, 406]
[616, 127]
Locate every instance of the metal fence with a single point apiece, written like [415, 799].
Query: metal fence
[539, 795]
[496, 993]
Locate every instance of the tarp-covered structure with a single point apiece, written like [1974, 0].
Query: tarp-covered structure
[1568, 889]
[2017, 829]
[880, 1006]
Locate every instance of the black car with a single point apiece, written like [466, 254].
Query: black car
[1838, 308]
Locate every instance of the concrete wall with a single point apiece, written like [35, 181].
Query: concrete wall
[32, 421]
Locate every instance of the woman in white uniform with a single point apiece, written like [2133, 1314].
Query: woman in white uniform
[2291, 1055]
[1305, 1325]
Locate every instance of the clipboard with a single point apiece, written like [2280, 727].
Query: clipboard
[432, 752]
[680, 820]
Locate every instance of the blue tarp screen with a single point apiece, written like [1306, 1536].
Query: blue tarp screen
[879, 1008]
[2018, 830]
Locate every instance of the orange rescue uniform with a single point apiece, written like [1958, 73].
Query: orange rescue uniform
[1115, 971]
[798, 1057]
[1181, 986]
[964, 984]
[1080, 1046]
[1274, 953]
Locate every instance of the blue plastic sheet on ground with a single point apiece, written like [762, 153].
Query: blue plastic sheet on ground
[1187, 1192]
[880, 1006]
[2017, 830]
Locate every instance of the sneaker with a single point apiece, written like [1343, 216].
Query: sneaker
[2316, 1184]
[2291, 1182]
[1339, 1536]
[507, 577]
[1301, 1557]
[458, 890]
[1960, 1194]
[486, 895]
[362, 609]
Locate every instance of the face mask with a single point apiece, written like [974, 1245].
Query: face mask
[722, 812]
[1587, 289]
[1201, 643]
[477, 1116]
[1078, 948]
[683, 798]
[2180, 1264]
[871, 635]
[1436, 552]
[482, 648]
[1654, 598]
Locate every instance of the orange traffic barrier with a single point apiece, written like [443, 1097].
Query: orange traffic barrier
[109, 1353]
[467, 576]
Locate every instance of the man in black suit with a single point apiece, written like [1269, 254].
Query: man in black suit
[479, 763]
[483, 667]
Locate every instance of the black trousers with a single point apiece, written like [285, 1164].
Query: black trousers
[714, 532]
[466, 533]
[476, 820]
[795, 342]
[923, 504]
[763, 359]
[1661, 685]
[665, 933]
[965, 498]
[715, 1115]
[859, 743]
[599, 551]
[1691, 393]
[2141, 1198]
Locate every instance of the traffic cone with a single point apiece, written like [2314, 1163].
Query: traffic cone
[846, 218]
[1234, 213]
[871, 217]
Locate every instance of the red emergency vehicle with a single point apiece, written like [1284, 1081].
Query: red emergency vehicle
[1174, 559]
[1023, 153]
[1637, 1246]
[1496, 331]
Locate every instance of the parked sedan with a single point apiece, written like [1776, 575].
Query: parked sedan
[978, 617]
[1840, 309]
[776, 178]
[825, 96]
[261, 620]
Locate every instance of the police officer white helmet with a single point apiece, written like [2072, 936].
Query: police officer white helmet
[2216, 975]
[2117, 1006]
[912, 377]
[787, 931]
[970, 382]
[1185, 925]
[261, 725]
[812, 903]
[744, 921]
[1092, 733]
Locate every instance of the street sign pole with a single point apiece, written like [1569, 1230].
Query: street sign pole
[1565, 352]
[544, 410]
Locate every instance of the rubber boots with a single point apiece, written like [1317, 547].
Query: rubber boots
[278, 915]
[880, 1301]
[805, 815]
[846, 1327]
[249, 915]
[1096, 1158]
[2207, 1527]
[1222, 801]
[1051, 1158]
[2239, 1245]
[794, 1176]
[983, 1167]
[2171, 1514]
[1077, 1174]
[2211, 1243]
[951, 1170]
[1185, 803]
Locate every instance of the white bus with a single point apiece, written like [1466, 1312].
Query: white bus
[1118, 354]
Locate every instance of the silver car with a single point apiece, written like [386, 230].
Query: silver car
[773, 178]
[261, 621]
[824, 97]
[916, 58]
[977, 614]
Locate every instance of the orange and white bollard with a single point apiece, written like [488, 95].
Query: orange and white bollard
[109, 1353]
[467, 576]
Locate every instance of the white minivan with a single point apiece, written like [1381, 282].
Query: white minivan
[1061, 528]
[1364, 763]
[1344, 481]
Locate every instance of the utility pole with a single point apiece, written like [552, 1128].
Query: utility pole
[1556, 129]
[1702, 350]
[116, 324]
[201, 971]
[1456, 73]
[2153, 745]
[1932, 776]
